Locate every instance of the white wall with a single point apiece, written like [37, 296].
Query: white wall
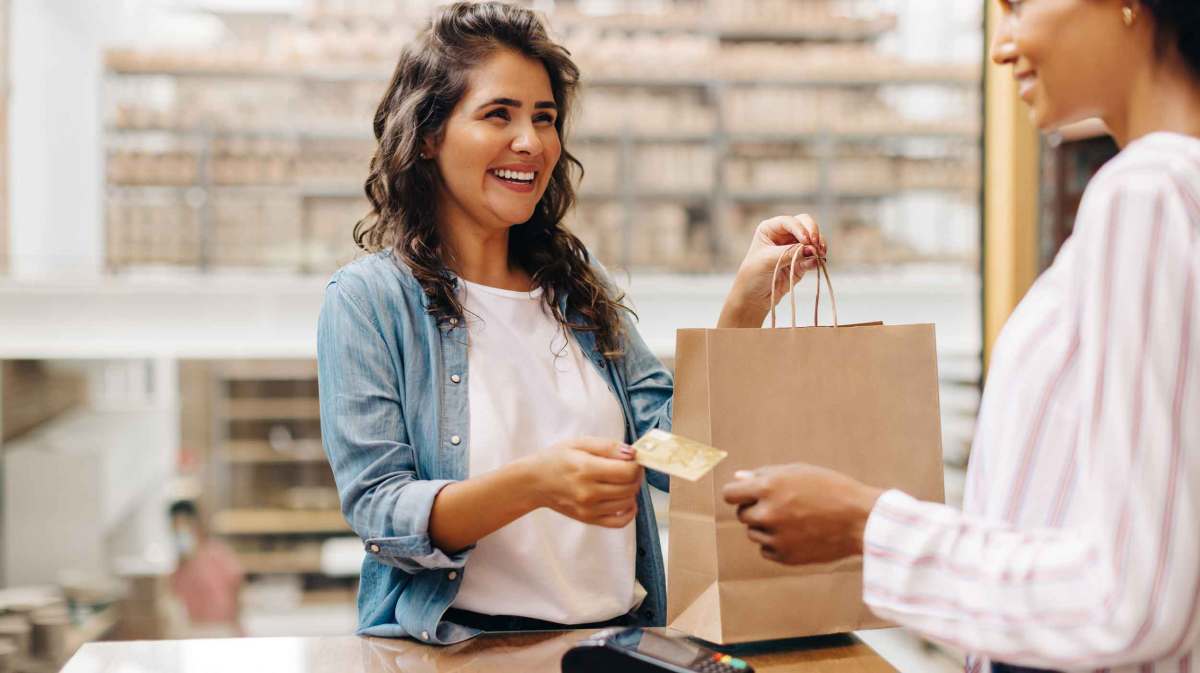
[54, 150]
[88, 491]
[56, 155]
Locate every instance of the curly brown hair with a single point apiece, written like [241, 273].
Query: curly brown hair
[430, 79]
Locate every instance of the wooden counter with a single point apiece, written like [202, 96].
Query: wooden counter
[528, 653]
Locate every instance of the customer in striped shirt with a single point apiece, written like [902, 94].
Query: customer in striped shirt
[1079, 544]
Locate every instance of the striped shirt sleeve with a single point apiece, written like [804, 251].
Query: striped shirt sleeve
[1118, 582]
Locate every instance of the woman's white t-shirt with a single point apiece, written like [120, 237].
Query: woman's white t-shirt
[530, 386]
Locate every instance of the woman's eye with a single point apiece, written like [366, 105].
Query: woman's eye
[544, 119]
[498, 113]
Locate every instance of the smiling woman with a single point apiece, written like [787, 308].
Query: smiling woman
[1078, 547]
[479, 378]
[478, 99]
[496, 156]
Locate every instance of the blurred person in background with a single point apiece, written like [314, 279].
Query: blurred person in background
[208, 579]
[480, 376]
[1079, 544]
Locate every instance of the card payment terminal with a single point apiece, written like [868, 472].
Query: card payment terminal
[635, 650]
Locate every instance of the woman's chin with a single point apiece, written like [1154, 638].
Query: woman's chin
[1041, 119]
[1049, 120]
[512, 214]
[508, 220]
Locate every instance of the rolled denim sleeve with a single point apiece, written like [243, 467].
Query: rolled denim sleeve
[382, 496]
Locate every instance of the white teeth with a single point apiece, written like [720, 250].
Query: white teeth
[514, 175]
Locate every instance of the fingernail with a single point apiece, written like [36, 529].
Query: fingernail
[743, 474]
[628, 451]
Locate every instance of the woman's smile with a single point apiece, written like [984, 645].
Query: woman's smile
[520, 178]
[1026, 81]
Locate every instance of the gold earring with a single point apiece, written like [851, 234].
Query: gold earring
[1129, 16]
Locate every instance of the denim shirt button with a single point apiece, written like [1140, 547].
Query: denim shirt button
[453, 322]
[455, 378]
[456, 440]
[424, 635]
[452, 575]
[374, 549]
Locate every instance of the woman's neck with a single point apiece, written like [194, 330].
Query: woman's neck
[478, 253]
[1165, 96]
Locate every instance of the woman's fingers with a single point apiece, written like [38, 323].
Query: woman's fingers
[787, 230]
[780, 230]
[610, 471]
[817, 239]
[601, 448]
[598, 493]
[770, 554]
[618, 519]
[760, 536]
[745, 490]
[800, 231]
[612, 507]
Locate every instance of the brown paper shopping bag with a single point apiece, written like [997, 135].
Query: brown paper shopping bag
[862, 400]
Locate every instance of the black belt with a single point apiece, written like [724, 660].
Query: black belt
[483, 622]
[998, 667]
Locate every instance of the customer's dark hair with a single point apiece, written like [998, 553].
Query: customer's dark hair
[1178, 24]
[184, 508]
[430, 79]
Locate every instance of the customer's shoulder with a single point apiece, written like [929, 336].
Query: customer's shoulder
[373, 277]
[1158, 162]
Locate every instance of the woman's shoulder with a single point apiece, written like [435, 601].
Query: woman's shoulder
[378, 286]
[1154, 163]
[376, 276]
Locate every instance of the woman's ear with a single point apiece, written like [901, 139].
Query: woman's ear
[428, 148]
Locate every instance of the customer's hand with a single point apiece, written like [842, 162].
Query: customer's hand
[801, 513]
[750, 299]
[595, 481]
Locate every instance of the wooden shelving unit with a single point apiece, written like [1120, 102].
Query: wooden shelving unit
[657, 193]
[266, 409]
[268, 485]
[263, 521]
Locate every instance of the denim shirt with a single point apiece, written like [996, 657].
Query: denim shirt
[394, 422]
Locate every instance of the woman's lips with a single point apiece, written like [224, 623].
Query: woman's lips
[518, 187]
[1025, 86]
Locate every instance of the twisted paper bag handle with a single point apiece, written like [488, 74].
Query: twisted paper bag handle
[822, 269]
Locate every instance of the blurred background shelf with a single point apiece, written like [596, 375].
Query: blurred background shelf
[264, 409]
[261, 451]
[278, 522]
[771, 89]
[277, 562]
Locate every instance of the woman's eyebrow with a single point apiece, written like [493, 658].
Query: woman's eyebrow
[512, 102]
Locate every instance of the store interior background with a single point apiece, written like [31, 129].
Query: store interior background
[182, 176]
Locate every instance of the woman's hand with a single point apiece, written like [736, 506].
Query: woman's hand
[801, 513]
[750, 298]
[595, 481]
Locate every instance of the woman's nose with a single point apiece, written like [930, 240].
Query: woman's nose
[1004, 48]
[527, 142]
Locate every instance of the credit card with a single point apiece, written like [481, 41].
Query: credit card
[677, 456]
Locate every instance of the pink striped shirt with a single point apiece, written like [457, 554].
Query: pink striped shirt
[1078, 547]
